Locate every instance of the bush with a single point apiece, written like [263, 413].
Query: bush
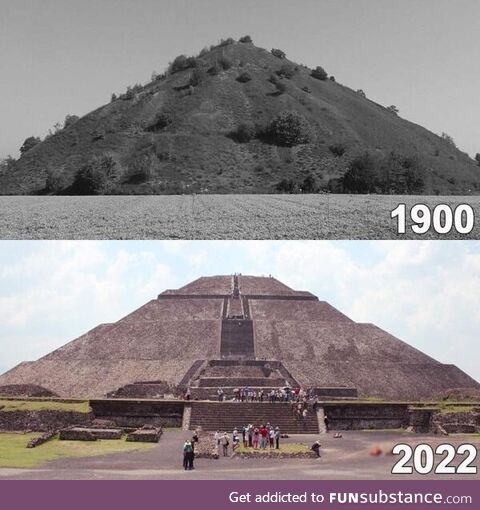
[53, 183]
[287, 70]
[307, 90]
[281, 87]
[244, 77]
[70, 120]
[319, 74]
[289, 128]
[113, 98]
[337, 149]
[278, 53]
[392, 174]
[450, 141]
[197, 77]
[361, 175]
[215, 69]
[477, 158]
[29, 144]
[332, 78]
[181, 63]
[132, 91]
[245, 132]
[310, 184]
[96, 176]
[225, 63]
[7, 164]
[361, 93]
[287, 186]
[161, 121]
[141, 168]
[393, 109]
[245, 39]
[226, 42]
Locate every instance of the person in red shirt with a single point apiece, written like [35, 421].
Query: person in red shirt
[264, 436]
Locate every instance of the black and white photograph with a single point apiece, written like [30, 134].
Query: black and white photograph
[239, 120]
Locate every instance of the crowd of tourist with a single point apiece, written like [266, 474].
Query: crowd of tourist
[252, 436]
[248, 394]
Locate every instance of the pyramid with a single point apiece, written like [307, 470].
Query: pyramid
[229, 331]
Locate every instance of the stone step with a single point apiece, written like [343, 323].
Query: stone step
[226, 416]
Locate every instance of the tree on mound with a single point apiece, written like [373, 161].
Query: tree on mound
[289, 128]
[96, 176]
[29, 144]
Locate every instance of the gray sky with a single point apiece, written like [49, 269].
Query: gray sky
[61, 57]
[424, 292]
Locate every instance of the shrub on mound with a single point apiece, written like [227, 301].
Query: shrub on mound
[278, 53]
[29, 144]
[287, 71]
[337, 149]
[289, 128]
[224, 63]
[244, 77]
[245, 39]
[161, 121]
[319, 73]
[181, 63]
[96, 176]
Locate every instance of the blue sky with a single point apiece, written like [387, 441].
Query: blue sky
[60, 57]
[424, 292]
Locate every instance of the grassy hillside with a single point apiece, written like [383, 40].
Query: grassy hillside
[177, 134]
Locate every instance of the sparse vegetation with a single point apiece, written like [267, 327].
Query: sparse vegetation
[244, 77]
[96, 176]
[393, 109]
[319, 73]
[278, 53]
[29, 144]
[289, 128]
[82, 406]
[245, 39]
[132, 91]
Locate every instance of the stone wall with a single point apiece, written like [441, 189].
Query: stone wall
[137, 413]
[41, 421]
[353, 416]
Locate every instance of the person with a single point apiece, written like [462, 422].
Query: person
[220, 394]
[304, 415]
[235, 440]
[187, 450]
[225, 443]
[263, 437]
[191, 455]
[327, 423]
[244, 436]
[216, 437]
[271, 437]
[256, 435]
[250, 435]
[316, 448]
[277, 438]
[188, 394]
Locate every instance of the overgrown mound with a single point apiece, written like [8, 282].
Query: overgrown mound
[237, 118]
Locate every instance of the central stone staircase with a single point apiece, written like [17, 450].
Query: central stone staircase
[225, 416]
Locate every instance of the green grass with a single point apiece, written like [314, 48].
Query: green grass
[44, 405]
[445, 408]
[284, 448]
[14, 454]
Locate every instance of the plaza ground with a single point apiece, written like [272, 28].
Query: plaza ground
[345, 458]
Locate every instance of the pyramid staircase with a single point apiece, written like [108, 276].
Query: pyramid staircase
[225, 416]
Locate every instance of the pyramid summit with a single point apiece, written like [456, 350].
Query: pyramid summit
[231, 331]
[220, 122]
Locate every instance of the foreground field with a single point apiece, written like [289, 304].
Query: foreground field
[215, 217]
[347, 458]
[14, 454]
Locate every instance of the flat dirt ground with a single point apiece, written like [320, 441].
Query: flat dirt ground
[216, 217]
[342, 459]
